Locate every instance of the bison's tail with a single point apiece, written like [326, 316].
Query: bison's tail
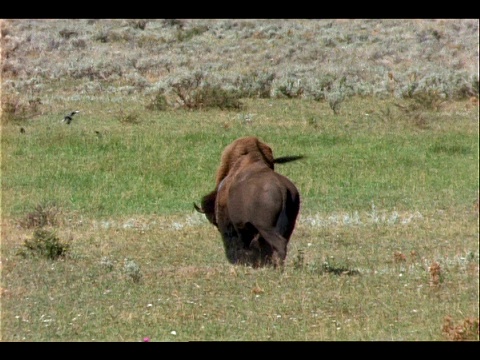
[285, 159]
[288, 216]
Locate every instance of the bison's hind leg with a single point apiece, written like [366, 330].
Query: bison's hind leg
[232, 250]
[255, 243]
[277, 245]
[256, 251]
[238, 249]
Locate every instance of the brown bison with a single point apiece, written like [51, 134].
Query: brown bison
[253, 207]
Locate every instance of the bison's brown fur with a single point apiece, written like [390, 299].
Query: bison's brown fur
[253, 207]
[247, 145]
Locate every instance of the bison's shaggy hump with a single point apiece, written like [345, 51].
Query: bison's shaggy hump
[246, 145]
[253, 207]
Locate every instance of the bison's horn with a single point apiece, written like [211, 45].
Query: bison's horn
[285, 159]
[200, 210]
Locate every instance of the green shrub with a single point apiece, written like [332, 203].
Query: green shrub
[255, 84]
[67, 34]
[429, 99]
[46, 244]
[292, 89]
[213, 96]
[138, 23]
[416, 108]
[127, 117]
[195, 93]
[335, 98]
[185, 35]
[332, 267]
[158, 103]
[174, 23]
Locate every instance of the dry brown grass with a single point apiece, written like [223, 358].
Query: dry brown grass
[42, 215]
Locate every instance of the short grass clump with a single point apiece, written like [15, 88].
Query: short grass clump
[132, 270]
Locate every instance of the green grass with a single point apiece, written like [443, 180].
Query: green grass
[168, 161]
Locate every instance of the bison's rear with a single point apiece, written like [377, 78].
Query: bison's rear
[253, 207]
[262, 208]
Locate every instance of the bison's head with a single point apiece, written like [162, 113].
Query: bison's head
[207, 207]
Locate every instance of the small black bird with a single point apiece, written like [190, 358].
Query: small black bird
[68, 118]
[22, 130]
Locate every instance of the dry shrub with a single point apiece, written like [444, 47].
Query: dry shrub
[468, 330]
[398, 257]
[128, 117]
[435, 274]
[67, 34]
[257, 290]
[138, 23]
[42, 215]
[195, 93]
[15, 109]
[158, 103]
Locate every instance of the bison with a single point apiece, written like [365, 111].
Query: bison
[253, 207]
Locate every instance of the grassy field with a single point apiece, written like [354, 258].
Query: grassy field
[99, 238]
[383, 205]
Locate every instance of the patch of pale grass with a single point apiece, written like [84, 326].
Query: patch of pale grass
[357, 218]
[173, 222]
[166, 277]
